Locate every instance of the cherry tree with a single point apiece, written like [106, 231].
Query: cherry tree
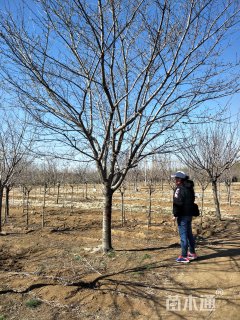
[111, 79]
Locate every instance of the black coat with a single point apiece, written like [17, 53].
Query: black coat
[183, 199]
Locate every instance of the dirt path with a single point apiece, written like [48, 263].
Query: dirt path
[64, 271]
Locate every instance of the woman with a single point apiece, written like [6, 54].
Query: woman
[183, 200]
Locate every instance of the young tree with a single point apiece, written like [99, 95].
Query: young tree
[212, 149]
[15, 144]
[134, 177]
[151, 190]
[111, 78]
[122, 190]
[228, 178]
[203, 180]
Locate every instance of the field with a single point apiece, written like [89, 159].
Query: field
[60, 272]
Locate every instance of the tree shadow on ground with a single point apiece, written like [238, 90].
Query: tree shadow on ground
[151, 292]
[231, 253]
[154, 292]
[173, 245]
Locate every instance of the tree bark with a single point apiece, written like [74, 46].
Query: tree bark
[44, 205]
[58, 191]
[107, 220]
[1, 200]
[86, 190]
[150, 208]
[122, 208]
[216, 200]
[27, 209]
[229, 198]
[7, 204]
[202, 201]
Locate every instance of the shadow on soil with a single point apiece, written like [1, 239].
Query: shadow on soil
[150, 284]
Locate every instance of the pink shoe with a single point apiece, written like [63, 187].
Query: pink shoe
[192, 256]
[182, 259]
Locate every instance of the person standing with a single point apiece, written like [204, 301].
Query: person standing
[183, 200]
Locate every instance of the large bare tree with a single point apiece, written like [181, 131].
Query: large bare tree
[111, 78]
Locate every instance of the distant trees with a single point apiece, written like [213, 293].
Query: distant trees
[211, 149]
[110, 79]
[228, 178]
[15, 145]
[203, 180]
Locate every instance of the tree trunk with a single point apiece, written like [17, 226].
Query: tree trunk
[23, 199]
[136, 185]
[72, 199]
[58, 191]
[122, 208]
[150, 208]
[86, 190]
[27, 209]
[7, 204]
[1, 200]
[216, 200]
[13, 194]
[229, 198]
[202, 201]
[44, 206]
[107, 219]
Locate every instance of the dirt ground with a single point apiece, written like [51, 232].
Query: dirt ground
[60, 272]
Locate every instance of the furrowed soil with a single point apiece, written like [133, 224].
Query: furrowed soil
[60, 272]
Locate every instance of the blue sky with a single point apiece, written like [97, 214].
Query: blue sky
[232, 53]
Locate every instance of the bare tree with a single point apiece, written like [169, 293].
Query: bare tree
[203, 180]
[110, 79]
[228, 178]
[151, 190]
[165, 169]
[26, 189]
[8, 188]
[212, 149]
[122, 190]
[15, 144]
[134, 177]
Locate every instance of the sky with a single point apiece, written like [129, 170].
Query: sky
[231, 53]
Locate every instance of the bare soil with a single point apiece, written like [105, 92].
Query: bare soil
[60, 272]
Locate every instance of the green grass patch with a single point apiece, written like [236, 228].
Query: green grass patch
[111, 254]
[146, 256]
[78, 258]
[33, 303]
[149, 266]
